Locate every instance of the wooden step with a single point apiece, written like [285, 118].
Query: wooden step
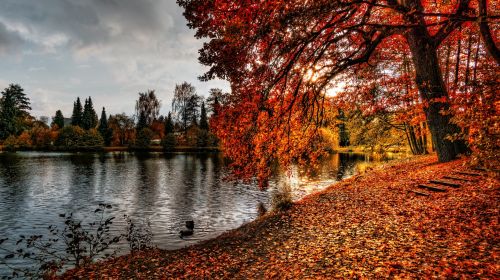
[432, 188]
[468, 173]
[419, 193]
[459, 179]
[479, 168]
[445, 183]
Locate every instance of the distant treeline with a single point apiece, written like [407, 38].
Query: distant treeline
[187, 125]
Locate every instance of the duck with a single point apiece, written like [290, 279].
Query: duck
[189, 231]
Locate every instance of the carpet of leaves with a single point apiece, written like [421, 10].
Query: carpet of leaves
[366, 227]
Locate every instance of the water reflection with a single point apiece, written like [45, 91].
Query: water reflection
[166, 189]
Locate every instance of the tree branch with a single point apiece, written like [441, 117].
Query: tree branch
[486, 33]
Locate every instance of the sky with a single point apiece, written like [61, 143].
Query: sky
[111, 50]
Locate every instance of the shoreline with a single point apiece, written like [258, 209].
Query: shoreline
[155, 149]
[309, 232]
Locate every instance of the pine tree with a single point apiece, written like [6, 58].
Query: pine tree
[169, 124]
[203, 117]
[14, 106]
[104, 129]
[142, 122]
[58, 119]
[76, 117]
[89, 116]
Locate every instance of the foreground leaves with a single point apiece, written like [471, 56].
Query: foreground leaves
[365, 227]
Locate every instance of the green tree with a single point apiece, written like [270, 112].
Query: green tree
[14, 107]
[203, 117]
[169, 140]
[142, 121]
[143, 139]
[169, 124]
[104, 129]
[89, 116]
[58, 119]
[76, 117]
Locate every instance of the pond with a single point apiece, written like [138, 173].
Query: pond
[166, 190]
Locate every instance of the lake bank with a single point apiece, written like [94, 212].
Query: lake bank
[155, 149]
[366, 226]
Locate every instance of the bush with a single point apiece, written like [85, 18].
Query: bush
[203, 138]
[143, 139]
[139, 236]
[169, 141]
[282, 198]
[11, 143]
[91, 138]
[70, 137]
[75, 137]
[76, 244]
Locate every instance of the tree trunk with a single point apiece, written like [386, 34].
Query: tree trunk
[433, 92]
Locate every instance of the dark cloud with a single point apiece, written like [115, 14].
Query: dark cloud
[9, 41]
[94, 22]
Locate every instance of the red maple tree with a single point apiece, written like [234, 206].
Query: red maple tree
[282, 56]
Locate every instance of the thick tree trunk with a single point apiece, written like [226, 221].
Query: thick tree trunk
[433, 92]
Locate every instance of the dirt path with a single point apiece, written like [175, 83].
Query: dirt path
[368, 226]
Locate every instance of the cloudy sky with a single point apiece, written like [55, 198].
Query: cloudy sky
[107, 49]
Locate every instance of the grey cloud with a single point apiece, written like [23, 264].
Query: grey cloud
[9, 41]
[93, 22]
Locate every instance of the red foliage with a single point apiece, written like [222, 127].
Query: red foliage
[282, 58]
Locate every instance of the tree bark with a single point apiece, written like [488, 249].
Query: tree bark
[433, 91]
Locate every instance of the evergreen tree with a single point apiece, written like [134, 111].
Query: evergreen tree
[76, 117]
[14, 106]
[203, 117]
[58, 119]
[142, 122]
[104, 129]
[89, 117]
[169, 124]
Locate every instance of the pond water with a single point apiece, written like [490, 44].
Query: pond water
[167, 190]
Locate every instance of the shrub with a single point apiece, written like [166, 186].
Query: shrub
[76, 244]
[139, 236]
[169, 141]
[282, 198]
[144, 137]
[91, 138]
[10, 143]
[70, 137]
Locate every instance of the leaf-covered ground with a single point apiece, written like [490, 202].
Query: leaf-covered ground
[368, 226]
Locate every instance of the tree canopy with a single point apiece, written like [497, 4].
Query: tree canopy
[285, 58]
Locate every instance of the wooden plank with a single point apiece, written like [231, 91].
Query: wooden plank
[468, 173]
[445, 183]
[419, 193]
[432, 188]
[459, 179]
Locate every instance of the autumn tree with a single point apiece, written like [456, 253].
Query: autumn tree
[185, 105]
[123, 128]
[89, 116]
[147, 108]
[282, 57]
[14, 107]
[58, 119]
[76, 116]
